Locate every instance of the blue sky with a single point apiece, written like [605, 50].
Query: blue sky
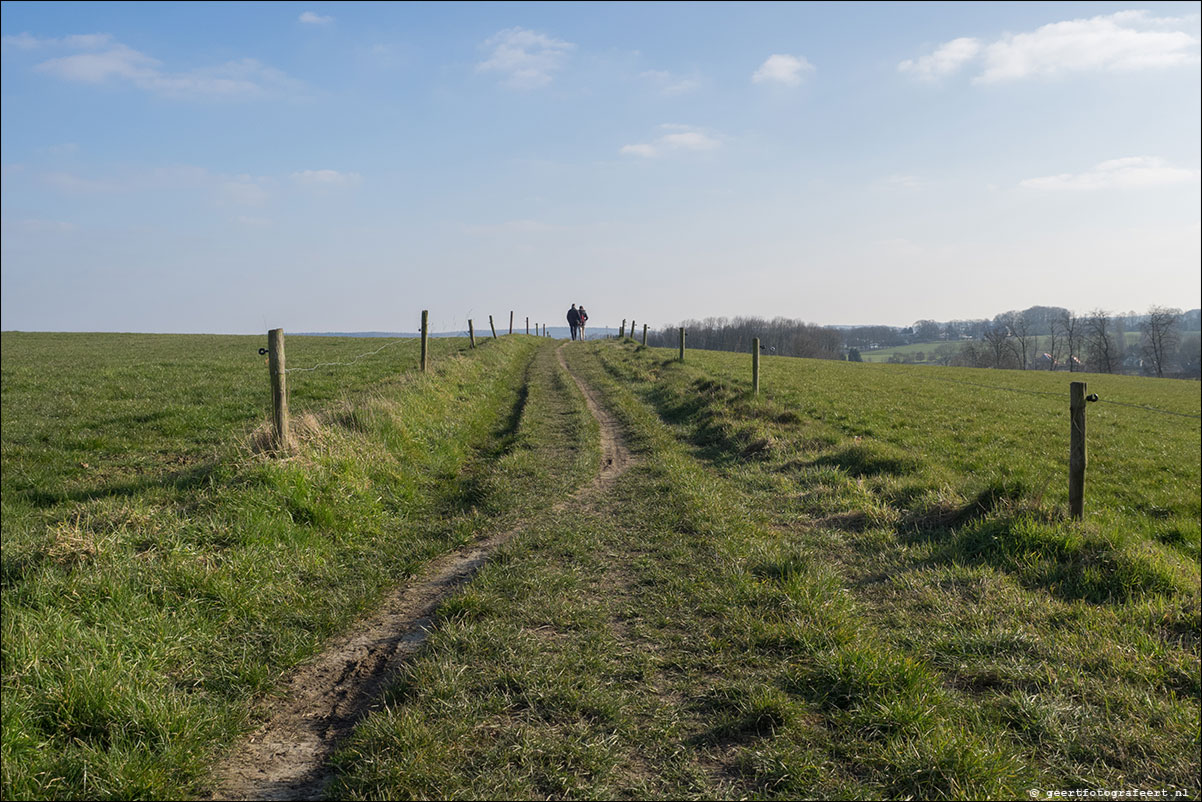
[233, 167]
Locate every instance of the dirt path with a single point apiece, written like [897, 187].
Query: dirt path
[325, 697]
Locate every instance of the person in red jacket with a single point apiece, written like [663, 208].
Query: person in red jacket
[583, 319]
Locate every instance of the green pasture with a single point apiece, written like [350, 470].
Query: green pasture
[861, 585]
[160, 573]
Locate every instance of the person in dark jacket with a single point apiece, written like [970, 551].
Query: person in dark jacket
[574, 320]
[583, 319]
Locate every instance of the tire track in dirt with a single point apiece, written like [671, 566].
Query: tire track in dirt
[324, 698]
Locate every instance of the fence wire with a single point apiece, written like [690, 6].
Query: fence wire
[320, 365]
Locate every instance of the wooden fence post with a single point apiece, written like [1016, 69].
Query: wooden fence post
[425, 337]
[622, 329]
[471, 333]
[682, 343]
[755, 365]
[511, 321]
[527, 325]
[644, 334]
[279, 389]
[491, 326]
[632, 328]
[1076, 450]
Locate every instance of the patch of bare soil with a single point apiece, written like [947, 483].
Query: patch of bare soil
[323, 699]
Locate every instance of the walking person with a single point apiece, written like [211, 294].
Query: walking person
[574, 320]
[583, 316]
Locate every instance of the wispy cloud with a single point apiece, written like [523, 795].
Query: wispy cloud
[235, 190]
[903, 181]
[678, 138]
[526, 59]
[781, 68]
[104, 60]
[310, 18]
[326, 178]
[1121, 42]
[668, 84]
[1126, 173]
[947, 59]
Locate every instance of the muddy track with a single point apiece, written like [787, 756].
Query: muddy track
[322, 700]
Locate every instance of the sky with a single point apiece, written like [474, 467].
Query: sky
[235, 167]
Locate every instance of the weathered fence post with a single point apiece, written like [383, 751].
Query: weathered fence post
[425, 337]
[755, 365]
[644, 334]
[622, 329]
[1076, 450]
[527, 325]
[511, 321]
[632, 328]
[491, 326]
[279, 388]
[471, 333]
[682, 343]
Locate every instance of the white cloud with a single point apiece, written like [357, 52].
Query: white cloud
[1121, 42]
[87, 41]
[326, 178]
[1126, 173]
[782, 69]
[668, 84]
[646, 151]
[526, 59]
[106, 60]
[243, 190]
[682, 138]
[903, 181]
[309, 18]
[949, 58]
[237, 190]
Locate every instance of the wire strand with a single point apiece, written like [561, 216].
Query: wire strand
[320, 365]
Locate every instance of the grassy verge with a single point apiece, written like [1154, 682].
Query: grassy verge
[932, 505]
[139, 624]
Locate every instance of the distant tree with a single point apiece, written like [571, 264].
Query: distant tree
[853, 355]
[945, 354]
[1160, 337]
[1105, 352]
[1022, 336]
[973, 354]
[1073, 328]
[1055, 341]
[997, 337]
[1042, 318]
[927, 331]
[1189, 356]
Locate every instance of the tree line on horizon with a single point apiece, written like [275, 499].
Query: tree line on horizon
[1037, 338]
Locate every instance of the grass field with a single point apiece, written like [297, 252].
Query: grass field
[861, 584]
[159, 574]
